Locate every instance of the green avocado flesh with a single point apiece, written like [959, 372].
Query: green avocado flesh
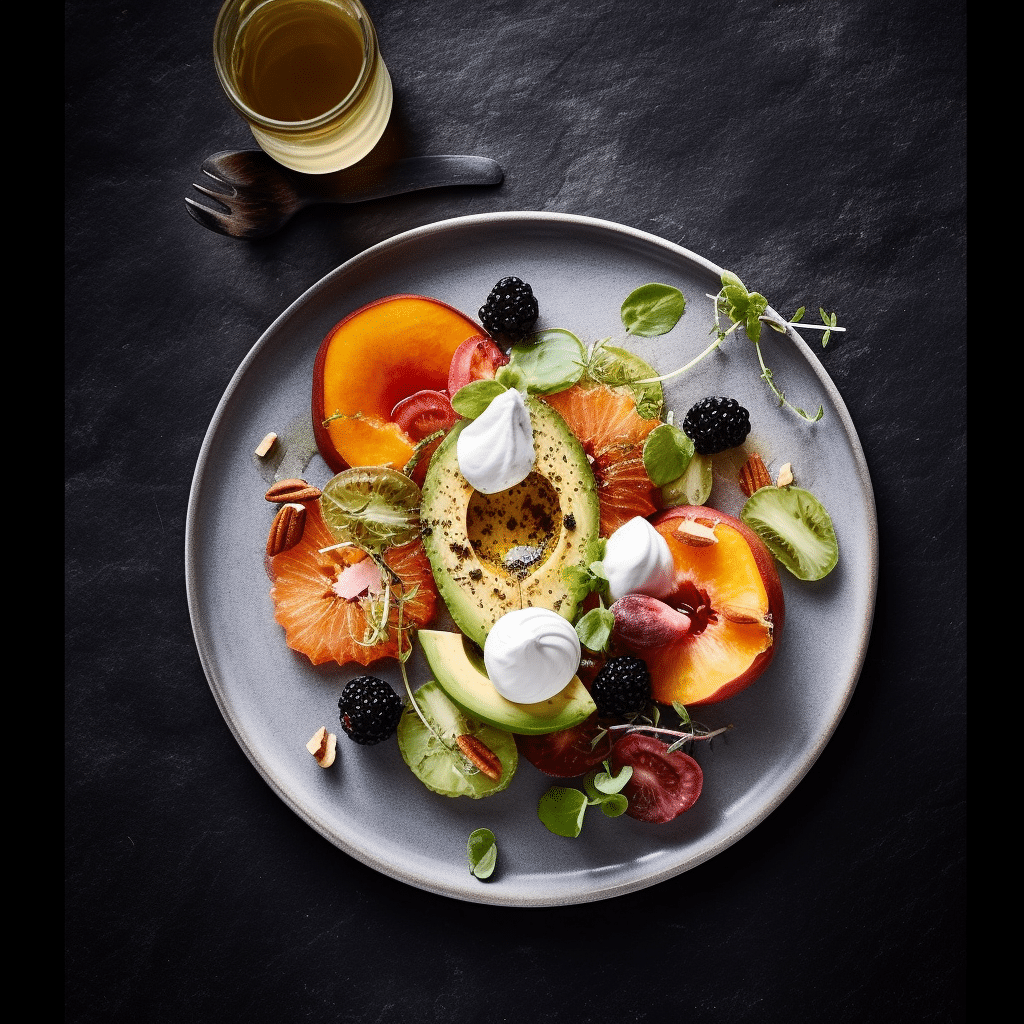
[459, 669]
[495, 553]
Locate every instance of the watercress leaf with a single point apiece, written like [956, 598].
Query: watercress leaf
[605, 782]
[652, 310]
[483, 852]
[824, 317]
[730, 279]
[667, 453]
[508, 376]
[473, 398]
[614, 804]
[680, 710]
[597, 568]
[549, 361]
[595, 628]
[797, 316]
[561, 811]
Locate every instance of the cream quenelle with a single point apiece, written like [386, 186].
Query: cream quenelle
[496, 450]
[637, 560]
[531, 654]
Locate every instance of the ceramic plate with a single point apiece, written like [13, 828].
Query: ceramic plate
[369, 804]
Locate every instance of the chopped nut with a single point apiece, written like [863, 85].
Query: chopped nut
[742, 616]
[754, 475]
[287, 528]
[292, 490]
[697, 535]
[323, 746]
[785, 475]
[263, 448]
[481, 755]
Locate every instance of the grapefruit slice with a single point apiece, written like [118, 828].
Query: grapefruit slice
[612, 433]
[328, 601]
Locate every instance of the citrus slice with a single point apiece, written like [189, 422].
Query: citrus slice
[612, 433]
[373, 507]
[323, 619]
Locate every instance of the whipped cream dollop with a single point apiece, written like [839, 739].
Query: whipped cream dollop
[531, 654]
[496, 451]
[637, 560]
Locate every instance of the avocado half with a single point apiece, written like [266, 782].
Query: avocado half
[459, 669]
[496, 553]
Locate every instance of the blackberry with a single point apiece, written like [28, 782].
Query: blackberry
[622, 687]
[370, 710]
[716, 424]
[510, 310]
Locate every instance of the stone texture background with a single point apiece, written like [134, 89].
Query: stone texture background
[819, 149]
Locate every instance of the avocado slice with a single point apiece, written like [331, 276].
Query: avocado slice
[459, 669]
[495, 553]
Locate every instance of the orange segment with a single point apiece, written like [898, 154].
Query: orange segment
[326, 627]
[370, 361]
[612, 433]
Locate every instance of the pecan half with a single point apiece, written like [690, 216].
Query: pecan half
[754, 475]
[286, 529]
[292, 490]
[481, 755]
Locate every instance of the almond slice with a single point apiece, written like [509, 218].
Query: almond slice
[695, 534]
[263, 448]
[785, 475]
[323, 745]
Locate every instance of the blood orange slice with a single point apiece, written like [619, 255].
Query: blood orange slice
[330, 606]
[612, 433]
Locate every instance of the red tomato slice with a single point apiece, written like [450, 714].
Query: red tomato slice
[477, 358]
[663, 785]
[567, 753]
[424, 413]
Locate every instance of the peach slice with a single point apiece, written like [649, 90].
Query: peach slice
[729, 590]
[368, 363]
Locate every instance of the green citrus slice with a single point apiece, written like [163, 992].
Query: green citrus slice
[374, 507]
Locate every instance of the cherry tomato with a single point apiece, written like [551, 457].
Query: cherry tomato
[477, 358]
[424, 413]
[567, 753]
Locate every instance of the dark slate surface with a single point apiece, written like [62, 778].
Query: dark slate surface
[819, 150]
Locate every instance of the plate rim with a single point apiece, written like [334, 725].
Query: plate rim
[481, 893]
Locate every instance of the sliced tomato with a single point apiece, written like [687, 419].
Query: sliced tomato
[477, 358]
[663, 785]
[424, 413]
[567, 753]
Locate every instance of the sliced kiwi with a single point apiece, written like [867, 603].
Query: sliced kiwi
[372, 506]
[437, 762]
[796, 529]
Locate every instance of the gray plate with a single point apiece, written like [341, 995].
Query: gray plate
[369, 804]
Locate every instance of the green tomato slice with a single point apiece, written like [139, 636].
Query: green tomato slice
[439, 765]
[374, 507]
[795, 528]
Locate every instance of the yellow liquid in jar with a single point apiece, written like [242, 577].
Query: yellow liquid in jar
[296, 61]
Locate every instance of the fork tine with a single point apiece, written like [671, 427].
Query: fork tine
[212, 219]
